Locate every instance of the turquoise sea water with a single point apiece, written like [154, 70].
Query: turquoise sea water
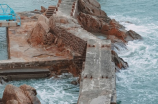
[139, 83]
[136, 85]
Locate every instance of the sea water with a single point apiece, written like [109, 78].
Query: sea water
[139, 83]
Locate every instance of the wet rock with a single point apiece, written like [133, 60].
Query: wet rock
[23, 95]
[3, 79]
[43, 9]
[132, 35]
[119, 62]
[74, 82]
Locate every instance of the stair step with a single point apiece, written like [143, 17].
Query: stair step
[50, 11]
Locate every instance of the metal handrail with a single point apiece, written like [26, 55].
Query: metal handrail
[8, 14]
[11, 11]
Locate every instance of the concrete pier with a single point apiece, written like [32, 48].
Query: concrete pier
[98, 77]
[97, 83]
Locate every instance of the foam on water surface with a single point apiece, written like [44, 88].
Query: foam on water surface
[138, 84]
[53, 90]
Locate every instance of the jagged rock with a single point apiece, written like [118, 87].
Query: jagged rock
[14, 93]
[23, 95]
[43, 9]
[37, 35]
[132, 35]
[12, 102]
[119, 62]
[31, 93]
[90, 11]
[43, 19]
[92, 7]
[98, 25]
[85, 21]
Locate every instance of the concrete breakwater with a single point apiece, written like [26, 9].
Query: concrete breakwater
[67, 42]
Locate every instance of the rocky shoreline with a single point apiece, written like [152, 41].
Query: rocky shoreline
[60, 32]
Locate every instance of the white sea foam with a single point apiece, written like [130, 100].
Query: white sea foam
[137, 83]
[52, 91]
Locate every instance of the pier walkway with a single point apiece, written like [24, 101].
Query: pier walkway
[97, 83]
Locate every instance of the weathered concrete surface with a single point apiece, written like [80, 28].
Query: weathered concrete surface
[97, 84]
[65, 7]
[24, 57]
[8, 23]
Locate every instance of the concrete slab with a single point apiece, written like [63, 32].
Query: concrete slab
[97, 79]
[8, 23]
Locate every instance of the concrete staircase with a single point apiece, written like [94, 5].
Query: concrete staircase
[50, 11]
[66, 6]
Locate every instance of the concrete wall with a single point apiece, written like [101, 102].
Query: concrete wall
[71, 41]
[33, 64]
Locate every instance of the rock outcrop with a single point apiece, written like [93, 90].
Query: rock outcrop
[90, 11]
[119, 62]
[20, 95]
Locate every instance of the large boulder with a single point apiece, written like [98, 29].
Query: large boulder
[92, 7]
[37, 35]
[31, 93]
[14, 93]
[43, 19]
[20, 95]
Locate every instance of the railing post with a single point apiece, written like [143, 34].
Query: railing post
[8, 41]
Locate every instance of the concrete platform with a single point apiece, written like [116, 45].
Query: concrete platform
[25, 60]
[8, 23]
